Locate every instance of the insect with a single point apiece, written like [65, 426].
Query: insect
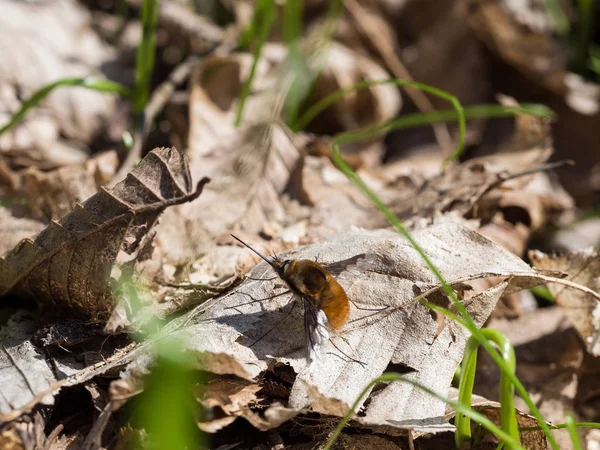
[326, 305]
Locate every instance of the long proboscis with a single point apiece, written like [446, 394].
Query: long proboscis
[255, 251]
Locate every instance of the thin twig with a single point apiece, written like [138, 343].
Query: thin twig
[535, 275]
[53, 436]
[541, 168]
[411, 443]
[387, 53]
[92, 439]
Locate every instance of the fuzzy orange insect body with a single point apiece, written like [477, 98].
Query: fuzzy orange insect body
[306, 277]
[326, 305]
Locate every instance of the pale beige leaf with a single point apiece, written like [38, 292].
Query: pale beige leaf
[582, 309]
[222, 330]
[41, 43]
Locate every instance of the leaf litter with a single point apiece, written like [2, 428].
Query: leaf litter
[271, 189]
[69, 264]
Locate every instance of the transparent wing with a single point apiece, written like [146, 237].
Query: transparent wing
[315, 329]
[352, 267]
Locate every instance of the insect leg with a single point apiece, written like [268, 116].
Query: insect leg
[262, 279]
[277, 324]
[350, 358]
[368, 309]
[257, 300]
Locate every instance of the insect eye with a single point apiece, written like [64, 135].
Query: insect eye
[286, 264]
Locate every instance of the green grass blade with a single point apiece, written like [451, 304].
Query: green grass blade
[570, 422]
[312, 112]
[165, 406]
[292, 32]
[292, 21]
[465, 393]
[558, 16]
[93, 83]
[144, 64]
[471, 325]
[263, 22]
[418, 119]
[261, 10]
[585, 27]
[543, 292]
[508, 414]
[466, 410]
[594, 64]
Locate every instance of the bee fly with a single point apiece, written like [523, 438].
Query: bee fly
[326, 305]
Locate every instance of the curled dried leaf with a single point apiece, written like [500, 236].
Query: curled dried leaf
[69, 263]
[582, 309]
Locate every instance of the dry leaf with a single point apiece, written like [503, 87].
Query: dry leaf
[69, 264]
[26, 372]
[14, 229]
[342, 67]
[250, 173]
[49, 195]
[534, 52]
[250, 166]
[230, 397]
[582, 310]
[477, 187]
[524, 38]
[338, 203]
[254, 165]
[443, 52]
[42, 43]
[582, 234]
[508, 192]
[29, 379]
[222, 329]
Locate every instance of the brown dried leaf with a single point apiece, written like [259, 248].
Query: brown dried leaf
[14, 229]
[10, 439]
[582, 309]
[250, 173]
[26, 372]
[228, 396]
[250, 166]
[338, 204]
[477, 189]
[42, 43]
[49, 195]
[220, 330]
[69, 264]
[342, 67]
[532, 50]
[442, 51]
[524, 38]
